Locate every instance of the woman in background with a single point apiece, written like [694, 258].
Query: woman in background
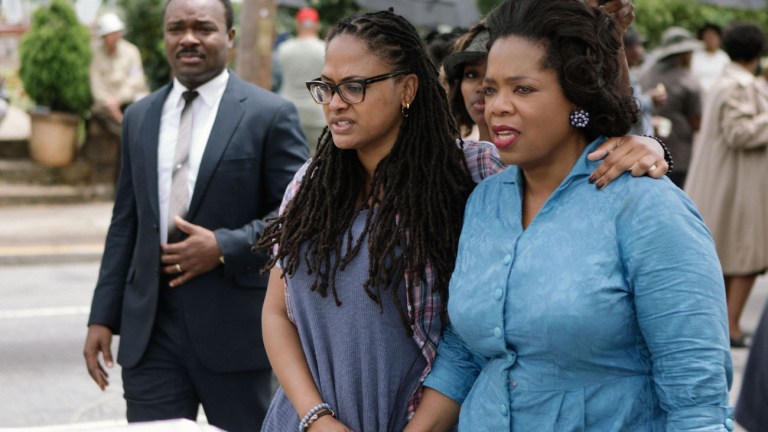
[464, 70]
[729, 170]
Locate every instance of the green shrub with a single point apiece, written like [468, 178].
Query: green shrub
[55, 56]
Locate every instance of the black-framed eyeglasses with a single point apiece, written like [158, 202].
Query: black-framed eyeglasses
[351, 91]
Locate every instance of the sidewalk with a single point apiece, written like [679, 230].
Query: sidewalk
[53, 233]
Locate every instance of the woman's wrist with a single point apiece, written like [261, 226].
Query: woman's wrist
[667, 154]
[313, 414]
[315, 417]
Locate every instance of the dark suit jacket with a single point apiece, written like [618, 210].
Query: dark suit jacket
[255, 147]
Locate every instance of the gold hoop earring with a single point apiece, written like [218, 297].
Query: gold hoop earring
[404, 110]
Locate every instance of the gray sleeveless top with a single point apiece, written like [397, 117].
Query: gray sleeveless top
[363, 362]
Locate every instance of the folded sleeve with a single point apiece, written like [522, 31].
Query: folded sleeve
[456, 367]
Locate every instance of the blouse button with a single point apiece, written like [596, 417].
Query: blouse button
[507, 259]
[497, 332]
[511, 357]
[497, 294]
[503, 409]
[729, 424]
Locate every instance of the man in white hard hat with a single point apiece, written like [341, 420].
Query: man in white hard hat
[117, 80]
[117, 77]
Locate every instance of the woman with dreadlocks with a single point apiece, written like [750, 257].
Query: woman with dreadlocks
[367, 235]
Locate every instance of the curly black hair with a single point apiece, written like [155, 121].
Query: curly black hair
[744, 41]
[583, 46]
[418, 190]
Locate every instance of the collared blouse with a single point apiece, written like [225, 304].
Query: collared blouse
[607, 313]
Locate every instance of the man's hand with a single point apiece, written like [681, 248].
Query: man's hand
[113, 106]
[98, 340]
[197, 254]
[623, 10]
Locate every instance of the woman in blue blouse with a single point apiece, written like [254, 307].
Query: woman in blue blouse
[574, 308]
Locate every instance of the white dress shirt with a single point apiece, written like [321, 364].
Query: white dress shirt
[204, 109]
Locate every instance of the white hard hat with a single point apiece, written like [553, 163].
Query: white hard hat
[110, 23]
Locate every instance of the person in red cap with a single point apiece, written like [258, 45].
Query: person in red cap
[301, 60]
[308, 15]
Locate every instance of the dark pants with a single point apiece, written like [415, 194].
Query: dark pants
[170, 381]
[752, 408]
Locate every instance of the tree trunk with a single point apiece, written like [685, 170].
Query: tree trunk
[257, 34]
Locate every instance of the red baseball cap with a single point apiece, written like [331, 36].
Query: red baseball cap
[307, 14]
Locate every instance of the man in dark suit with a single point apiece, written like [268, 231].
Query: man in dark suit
[182, 288]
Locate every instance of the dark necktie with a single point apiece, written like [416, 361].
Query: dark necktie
[177, 203]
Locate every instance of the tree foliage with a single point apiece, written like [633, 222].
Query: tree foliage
[652, 17]
[55, 56]
[332, 10]
[144, 28]
[485, 6]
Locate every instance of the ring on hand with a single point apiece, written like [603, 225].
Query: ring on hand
[178, 268]
[653, 167]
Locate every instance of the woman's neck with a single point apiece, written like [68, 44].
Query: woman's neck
[541, 180]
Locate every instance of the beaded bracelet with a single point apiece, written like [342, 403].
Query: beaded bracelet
[303, 425]
[667, 154]
[317, 415]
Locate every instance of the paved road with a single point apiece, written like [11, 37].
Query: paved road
[48, 267]
[49, 258]
[42, 328]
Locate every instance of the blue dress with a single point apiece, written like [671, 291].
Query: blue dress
[607, 313]
[362, 360]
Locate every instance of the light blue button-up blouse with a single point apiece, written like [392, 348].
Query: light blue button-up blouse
[606, 314]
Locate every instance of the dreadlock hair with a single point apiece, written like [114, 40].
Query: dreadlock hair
[418, 190]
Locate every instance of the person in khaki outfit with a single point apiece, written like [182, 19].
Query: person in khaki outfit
[117, 76]
[728, 173]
